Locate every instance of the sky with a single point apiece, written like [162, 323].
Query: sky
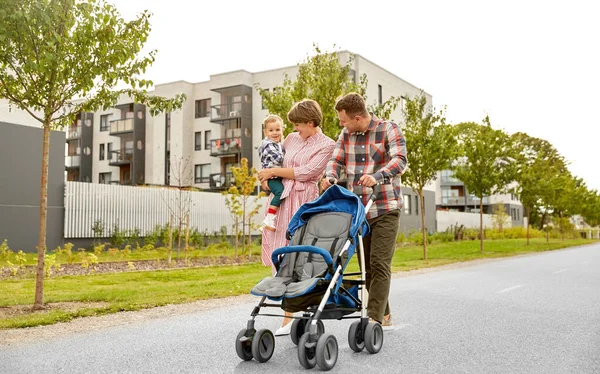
[532, 66]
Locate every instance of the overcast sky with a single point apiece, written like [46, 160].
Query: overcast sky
[532, 66]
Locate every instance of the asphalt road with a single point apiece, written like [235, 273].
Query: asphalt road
[528, 314]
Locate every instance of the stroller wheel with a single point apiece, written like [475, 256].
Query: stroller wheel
[307, 352]
[243, 346]
[263, 345]
[297, 330]
[373, 337]
[327, 351]
[355, 337]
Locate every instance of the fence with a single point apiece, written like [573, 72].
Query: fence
[140, 208]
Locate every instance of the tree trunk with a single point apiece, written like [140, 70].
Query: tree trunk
[170, 249]
[244, 228]
[237, 235]
[422, 200]
[481, 224]
[528, 223]
[187, 236]
[39, 279]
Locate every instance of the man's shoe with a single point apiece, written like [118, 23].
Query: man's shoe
[387, 323]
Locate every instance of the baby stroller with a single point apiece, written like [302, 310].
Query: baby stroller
[310, 278]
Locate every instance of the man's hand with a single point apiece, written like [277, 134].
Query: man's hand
[367, 181]
[325, 183]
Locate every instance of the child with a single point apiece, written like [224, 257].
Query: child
[271, 155]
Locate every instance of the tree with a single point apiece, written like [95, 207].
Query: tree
[433, 146]
[537, 164]
[500, 217]
[181, 206]
[324, 79]
[484, 164]
[52, 51]
[238, 195]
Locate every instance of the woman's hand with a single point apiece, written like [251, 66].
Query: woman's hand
[265, 174]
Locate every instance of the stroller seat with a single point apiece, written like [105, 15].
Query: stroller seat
[314, 249]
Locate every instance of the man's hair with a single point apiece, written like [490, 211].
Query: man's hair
[272, 118]
[306, 111]
[353, 104]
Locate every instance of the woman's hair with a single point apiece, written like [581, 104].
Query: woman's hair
[353, 104]
[306, 111]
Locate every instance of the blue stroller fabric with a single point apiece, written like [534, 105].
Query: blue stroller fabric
[318, 231]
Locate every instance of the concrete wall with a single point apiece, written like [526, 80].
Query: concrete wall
[469, 220]
[20, 175]
[410, 218]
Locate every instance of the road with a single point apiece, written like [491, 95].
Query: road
[529, 314]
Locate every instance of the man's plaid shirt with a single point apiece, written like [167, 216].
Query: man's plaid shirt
[381, 152]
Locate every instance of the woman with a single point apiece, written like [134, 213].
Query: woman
[307, 152]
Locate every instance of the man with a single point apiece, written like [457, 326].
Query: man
[372, 151]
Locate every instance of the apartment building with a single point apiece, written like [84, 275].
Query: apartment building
[218, 125]
[451, 194]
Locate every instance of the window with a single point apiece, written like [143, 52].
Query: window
[202, 173]
[109, 151]
[198, 141]
[263, 100]
[380, 92]
[104, 178]
[101, 152]
[407, 201]
[105, 122]
[202, 108]
[417, 204]
[207, 139]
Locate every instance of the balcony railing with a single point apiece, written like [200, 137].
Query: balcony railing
[73, 161]
[126, 182]
[121, 125]
[225, 146]
[474, 200]
[121, 157]
[453, 200]
[221, 180]
[226, 111]
[73, 132]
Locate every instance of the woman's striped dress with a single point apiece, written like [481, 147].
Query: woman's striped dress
[308, 158]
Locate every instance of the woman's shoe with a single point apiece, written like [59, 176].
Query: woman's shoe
[284, 330]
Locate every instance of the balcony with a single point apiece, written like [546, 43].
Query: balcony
[221, 181]
[225, 146]
[225, 111]
[473, 200]
[121, 126]
[121, 157]
[453, 200]
[72, 161]
[73, 132]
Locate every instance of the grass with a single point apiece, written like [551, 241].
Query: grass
[137, 290]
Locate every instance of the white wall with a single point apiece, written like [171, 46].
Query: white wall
[469, 220]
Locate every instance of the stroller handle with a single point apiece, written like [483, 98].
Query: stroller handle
[373, 196]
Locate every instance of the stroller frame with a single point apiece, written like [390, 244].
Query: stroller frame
[315, 347]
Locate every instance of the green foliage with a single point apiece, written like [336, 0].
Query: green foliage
[484, 164]
[237, 200]
[431, 147]
[50, 265]
[5, 252]
[323, 78]
[499, 217]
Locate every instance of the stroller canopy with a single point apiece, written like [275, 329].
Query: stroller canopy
[335, 199]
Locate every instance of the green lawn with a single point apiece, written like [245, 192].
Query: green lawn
[145, 289]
